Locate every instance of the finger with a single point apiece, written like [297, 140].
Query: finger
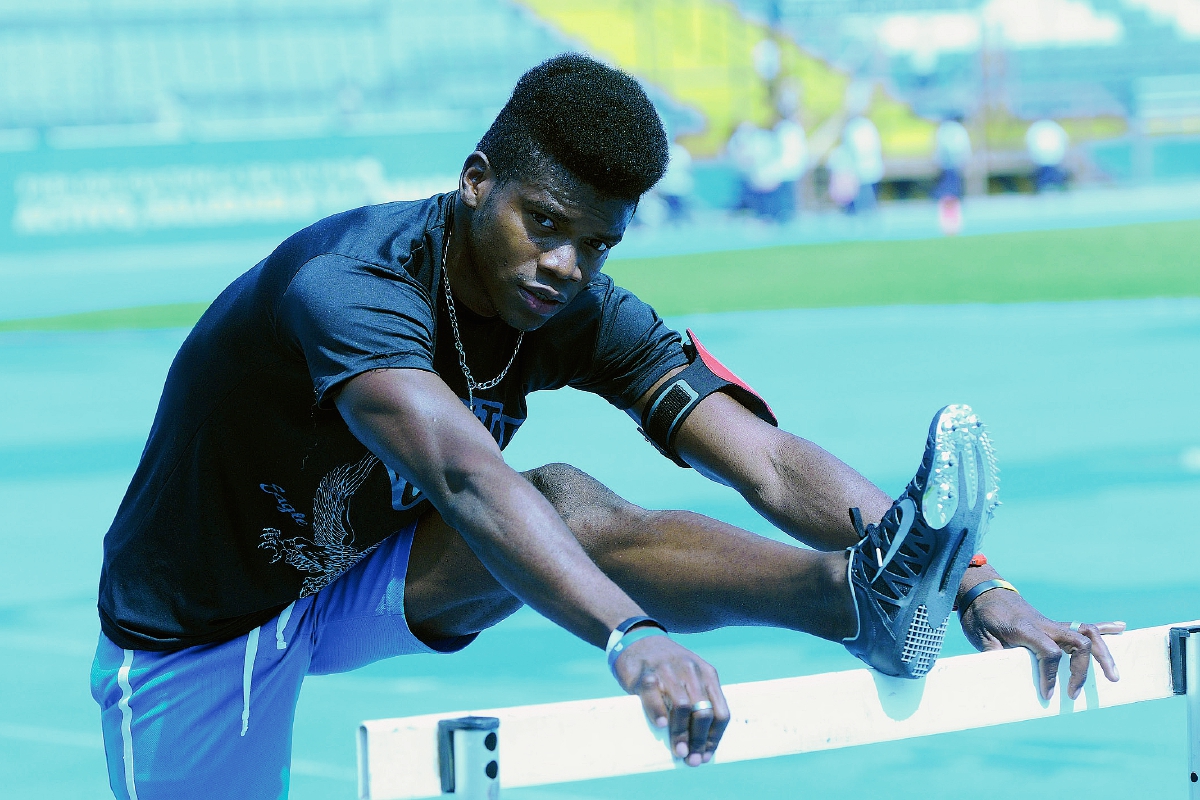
[1100, 650]
[1048, 674]
[653, 703]
[712, 686]
[680, 705]
[1048, 654]
[700, 713]
[1079, 645]
[701, 723]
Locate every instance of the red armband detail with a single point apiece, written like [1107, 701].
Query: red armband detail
[763, 410]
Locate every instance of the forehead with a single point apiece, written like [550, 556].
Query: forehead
[565, 198]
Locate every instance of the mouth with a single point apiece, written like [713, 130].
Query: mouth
[542, 301]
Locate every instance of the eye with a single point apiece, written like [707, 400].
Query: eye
[598, 246]
[542, 221]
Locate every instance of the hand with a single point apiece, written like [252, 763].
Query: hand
[1000, 618]
[671, 681]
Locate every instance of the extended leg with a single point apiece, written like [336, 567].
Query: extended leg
[692, 572]
[697, 573]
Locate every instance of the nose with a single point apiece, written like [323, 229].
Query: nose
[562, 262]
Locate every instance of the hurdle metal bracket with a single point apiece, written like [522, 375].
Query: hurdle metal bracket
[456, 760]
[1185, 680]
[1178, 645]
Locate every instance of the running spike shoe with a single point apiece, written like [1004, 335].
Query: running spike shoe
[904, 572]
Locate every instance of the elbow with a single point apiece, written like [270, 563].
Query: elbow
[464, 489]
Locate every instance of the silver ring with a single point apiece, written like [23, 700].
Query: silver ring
[1075, 626]
[703, 705]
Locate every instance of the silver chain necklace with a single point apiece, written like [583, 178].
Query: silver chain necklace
[472, 384]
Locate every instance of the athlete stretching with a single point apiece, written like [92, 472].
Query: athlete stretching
[318, 491]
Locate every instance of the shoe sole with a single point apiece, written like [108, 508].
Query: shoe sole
[962, 471]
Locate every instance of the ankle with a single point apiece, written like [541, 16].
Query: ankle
[840, 618]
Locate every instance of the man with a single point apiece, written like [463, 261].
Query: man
[952, 151]
[1047, 144]
[318, 493]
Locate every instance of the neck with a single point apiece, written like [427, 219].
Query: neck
[460, 264]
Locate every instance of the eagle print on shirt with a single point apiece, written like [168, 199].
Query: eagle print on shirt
[331, 550]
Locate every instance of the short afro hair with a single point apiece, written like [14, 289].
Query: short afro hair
[576, 113]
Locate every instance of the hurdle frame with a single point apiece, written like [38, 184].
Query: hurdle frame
[1185, 680]
[398, 758]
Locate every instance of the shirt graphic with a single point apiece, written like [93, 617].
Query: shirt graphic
[331, 550]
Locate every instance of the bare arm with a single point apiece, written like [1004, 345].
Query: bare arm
[806, 492]
[802, 489]
[413, 422]
[419, 428]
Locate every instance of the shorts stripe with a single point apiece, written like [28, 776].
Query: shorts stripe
[248, 676]
[281, 626]
[127, 722]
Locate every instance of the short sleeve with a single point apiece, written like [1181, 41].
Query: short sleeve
[348, 317]
[634, 348]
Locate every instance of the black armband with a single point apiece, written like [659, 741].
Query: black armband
[672, 402]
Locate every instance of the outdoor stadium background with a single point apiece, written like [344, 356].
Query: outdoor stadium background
[153, 150]
[139, 124]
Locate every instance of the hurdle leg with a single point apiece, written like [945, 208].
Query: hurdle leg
[1192, 650]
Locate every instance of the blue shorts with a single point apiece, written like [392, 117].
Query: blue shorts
[216, 720]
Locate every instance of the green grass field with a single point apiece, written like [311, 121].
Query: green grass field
[1132, 261]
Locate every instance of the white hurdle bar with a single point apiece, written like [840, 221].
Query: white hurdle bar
[585, 739]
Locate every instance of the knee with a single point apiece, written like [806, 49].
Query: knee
[584, 503]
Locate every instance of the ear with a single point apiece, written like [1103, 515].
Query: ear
[476, 180]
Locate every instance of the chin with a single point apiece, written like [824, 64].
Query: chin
[523, 322]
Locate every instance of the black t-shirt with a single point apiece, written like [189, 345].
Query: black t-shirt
[252, 492]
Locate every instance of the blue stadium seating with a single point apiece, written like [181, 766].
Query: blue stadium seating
[1077, 81]
[245, 68]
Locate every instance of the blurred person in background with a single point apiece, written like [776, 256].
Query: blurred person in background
[861, 139]
[770, 164]
[677, 184]
[1047, 143]
[670, 201]
[952, 151]
[843, 178]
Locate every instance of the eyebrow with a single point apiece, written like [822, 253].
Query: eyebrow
[549, 210]
[556, 213]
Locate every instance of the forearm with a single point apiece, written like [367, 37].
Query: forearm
[415, 425]
[524, 543]
[800, 488]
[807, 492]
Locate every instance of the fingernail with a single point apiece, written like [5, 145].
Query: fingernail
[1116, 673]
[707, 757]
[661, 722]
[681, 749]
[694, 760]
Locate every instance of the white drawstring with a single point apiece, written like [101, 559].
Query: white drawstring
[281, 624]
[248, 676]
[127, 722]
